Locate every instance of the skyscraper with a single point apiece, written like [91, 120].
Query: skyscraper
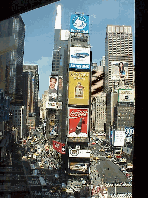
[118, 56]
[60, 41]
[12, 61]
[31, 78]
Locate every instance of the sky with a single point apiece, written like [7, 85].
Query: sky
[40, 22]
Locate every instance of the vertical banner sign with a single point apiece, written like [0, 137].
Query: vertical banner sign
[78, 91]
[79, 23]
[78, 122]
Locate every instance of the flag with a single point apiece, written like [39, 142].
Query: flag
[59, 147]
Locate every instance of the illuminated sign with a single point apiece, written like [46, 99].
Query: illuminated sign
[79, 23]
[78, 90]
[79, 153]
[119, 70]
[78, 167]
[79, 58]
[119, 137]
[126, 95]
[78, 122]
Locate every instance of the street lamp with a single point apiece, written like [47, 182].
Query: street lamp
[115, 185]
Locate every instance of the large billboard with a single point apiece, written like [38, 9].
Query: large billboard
[79, 58]
[126, 95]
[79, 23]
[78, 119]
[119, 70]
[53, 85]
[79, 153]
[119, 137]
[78, 90]
[78, 167]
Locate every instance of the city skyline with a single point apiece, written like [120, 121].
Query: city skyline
[39, 35]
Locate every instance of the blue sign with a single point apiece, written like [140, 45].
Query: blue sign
[79, 23]
[129, 131]
[79, 66]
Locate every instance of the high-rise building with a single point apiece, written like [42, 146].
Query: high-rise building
[31, 89]
[60, 41]
[12, 61]
[118, 56]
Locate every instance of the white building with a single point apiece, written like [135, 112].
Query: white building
[19, 120]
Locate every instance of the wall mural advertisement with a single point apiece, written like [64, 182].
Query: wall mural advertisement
[119, 70]
[78, 122]
[79, 58]
[79, 23]
[78, 91]
[53, 85]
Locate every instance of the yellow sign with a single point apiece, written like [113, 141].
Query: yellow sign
[78, 91]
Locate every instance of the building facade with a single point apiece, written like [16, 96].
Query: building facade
[31, 89]
[118, 56]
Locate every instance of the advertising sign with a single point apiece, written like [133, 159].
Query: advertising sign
[60, 88]
[125, 95]
[79, 153]
[78, 122]
[78, 90]
[53, 84]
[59, 147]
[79, 23]
[78, 167]
[65, 35]
[79, 58]
[119, 70]
[51, 105]
[119, 138]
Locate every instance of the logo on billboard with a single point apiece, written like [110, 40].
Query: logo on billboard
[80, 55]
[79, 23]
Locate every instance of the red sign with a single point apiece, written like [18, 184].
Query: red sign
[78, 122]
[59, 147]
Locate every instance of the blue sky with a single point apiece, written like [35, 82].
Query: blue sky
[39, 34]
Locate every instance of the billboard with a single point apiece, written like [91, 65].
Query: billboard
[119, 70]
[79, 23]
[59, 147]
[119, 137]
[53, 84]
[78, 120]
[78, 90]
[76, 167]
[79, 58]
[126, 95]
[79, 153]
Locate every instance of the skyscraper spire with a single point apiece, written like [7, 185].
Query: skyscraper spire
[58, 18]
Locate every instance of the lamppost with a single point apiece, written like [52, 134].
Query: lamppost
[115, 184]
